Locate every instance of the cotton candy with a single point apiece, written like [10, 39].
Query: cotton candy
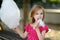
[41, 23]
[10, 13]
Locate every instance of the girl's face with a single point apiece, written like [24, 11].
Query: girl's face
[38, 15]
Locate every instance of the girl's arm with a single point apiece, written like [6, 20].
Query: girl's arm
[43, 34]
[39, 34]
[23, 35]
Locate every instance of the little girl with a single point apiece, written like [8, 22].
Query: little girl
[35, 29]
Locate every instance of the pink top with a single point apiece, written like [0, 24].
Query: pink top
[32, 35]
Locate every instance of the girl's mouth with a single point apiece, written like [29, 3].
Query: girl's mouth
[37, 18]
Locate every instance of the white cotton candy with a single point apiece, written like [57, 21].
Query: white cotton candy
[10, 13]
[41, 23]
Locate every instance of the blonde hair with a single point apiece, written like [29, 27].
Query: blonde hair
[32, 12]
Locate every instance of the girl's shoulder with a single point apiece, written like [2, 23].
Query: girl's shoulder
[46, 28]
[27, 27]
[27, 24]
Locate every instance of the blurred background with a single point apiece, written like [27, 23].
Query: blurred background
[52, 16]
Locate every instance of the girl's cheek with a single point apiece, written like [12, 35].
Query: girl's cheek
[42, 17]
[35, 18]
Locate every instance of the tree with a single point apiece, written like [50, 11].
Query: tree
[25, 8]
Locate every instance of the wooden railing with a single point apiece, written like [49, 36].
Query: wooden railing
[52, 10]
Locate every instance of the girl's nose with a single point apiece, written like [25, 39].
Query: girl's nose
[39, 17]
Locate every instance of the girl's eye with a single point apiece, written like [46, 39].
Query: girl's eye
[41, 13]
[37, 13]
